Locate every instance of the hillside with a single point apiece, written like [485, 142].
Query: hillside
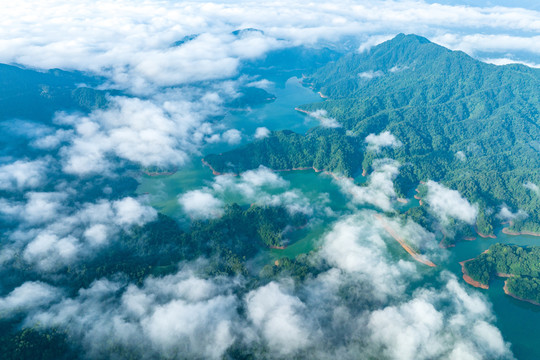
[470, 125]
[520, 265]
[35, 95]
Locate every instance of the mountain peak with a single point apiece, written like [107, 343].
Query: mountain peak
[409, 44]
[410, 38]
[402, 51]
[404, 57]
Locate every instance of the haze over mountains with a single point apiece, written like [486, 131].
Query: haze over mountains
[118, 242]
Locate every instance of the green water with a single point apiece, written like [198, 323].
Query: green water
[277, 115]
[280, 114]
[518, 321]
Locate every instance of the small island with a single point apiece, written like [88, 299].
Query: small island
[520, 265]
[158, 171]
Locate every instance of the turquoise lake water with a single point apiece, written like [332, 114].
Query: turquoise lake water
[518, 321]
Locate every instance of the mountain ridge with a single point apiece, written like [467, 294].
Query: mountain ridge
[440, 103]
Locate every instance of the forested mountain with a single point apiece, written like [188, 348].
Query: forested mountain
[320, 148]
[470, 125]
[35, 95]
[521, 265]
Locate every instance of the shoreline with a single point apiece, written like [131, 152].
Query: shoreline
[469, 280]
[322, 95]
[301, 110]
[507, 292]
[478, 284]
[417, 195]
[416, 256]
[467, 238]
[485, 236]
[507, 230]
[214, 172]
[326, 172]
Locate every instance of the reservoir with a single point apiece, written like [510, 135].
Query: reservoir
[518, 321]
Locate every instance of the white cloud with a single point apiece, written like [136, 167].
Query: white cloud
[373, 41]
[64, 35]
[425, 328]
[447, 203]
[355, 245]
[232, 136]
[23, 174]
[368, 75]
[67, 234]
[507, 61]
[294, 201]
[97, 234]
[49, 35]
[380, 188]
[384, 139]
[532, 186]
[397, 68]
[460, 155]
[30, 295]
[276, 315]
[261, 84]
[131, 212]
[407, 330]
[129, 43]
[52, 141]
[361, 305]
[40, 207]
[160, 317]
[261, 133]
[200, 204]
[162, 131]
[266, 188]
[507, 215]
[322, 116]
[491, 43]
[263, 177]
[48, 251]
[489, 339]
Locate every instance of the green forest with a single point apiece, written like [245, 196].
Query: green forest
[156, 249]
[469, 125]
[320, 148]
[520, 264]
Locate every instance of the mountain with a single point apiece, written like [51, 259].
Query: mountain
[469, 125]
[34, 95]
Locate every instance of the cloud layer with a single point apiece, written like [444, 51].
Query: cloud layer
[175, 87]
[447, 203]
[65, 35]
[50, 234]
[384, 139]
[362, 304]
[379, 190]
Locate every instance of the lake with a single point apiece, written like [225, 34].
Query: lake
[518, 321]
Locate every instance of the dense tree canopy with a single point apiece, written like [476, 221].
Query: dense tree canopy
[470, 125]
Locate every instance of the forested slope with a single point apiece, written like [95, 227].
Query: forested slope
[470, 125]
[35, 95]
